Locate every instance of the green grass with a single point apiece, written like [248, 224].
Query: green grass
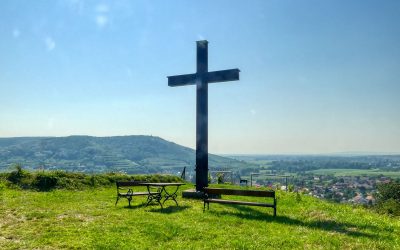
[88, 219]
[356, 172]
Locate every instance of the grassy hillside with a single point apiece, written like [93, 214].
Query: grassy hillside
[131, 154]
[89, 219]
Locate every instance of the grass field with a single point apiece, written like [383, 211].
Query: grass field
[356, 172]
[88, 219]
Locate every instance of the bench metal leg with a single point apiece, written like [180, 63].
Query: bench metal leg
[156, 197]
[117, 201]
[204, 206]
[170, 196]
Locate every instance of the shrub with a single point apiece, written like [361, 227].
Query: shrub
[388, 198]
[390, 206]
[390, 190]
[20, 177]
[16, 175]
[1, 191]
[45, 181]
[220, 178]
[298, 197]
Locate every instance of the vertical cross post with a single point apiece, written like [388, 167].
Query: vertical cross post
[202, 116]
[201, 79]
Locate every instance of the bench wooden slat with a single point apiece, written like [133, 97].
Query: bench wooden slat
[128, 183]
[210, 194]
[136, 193]
[226, 191]
[249, 203]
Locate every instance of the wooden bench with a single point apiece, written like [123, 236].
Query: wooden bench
[128, 186]
[210, 195]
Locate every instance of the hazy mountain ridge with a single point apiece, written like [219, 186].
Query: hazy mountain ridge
[132, 154]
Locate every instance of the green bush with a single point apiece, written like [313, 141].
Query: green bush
[45, 181]
[1, 191]
[298, 197]
[220, 178]
[390, 190]
[390, 206]
[20, 177]
[388, 198]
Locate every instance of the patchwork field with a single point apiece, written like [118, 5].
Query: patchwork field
[88, 219]
[356, 172]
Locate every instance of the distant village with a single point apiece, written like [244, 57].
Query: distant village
[300, 174]
[346, 189]
[359, 190]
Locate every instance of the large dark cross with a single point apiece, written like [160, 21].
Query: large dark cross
[201, 79]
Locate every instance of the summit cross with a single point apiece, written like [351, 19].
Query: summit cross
[201, 79]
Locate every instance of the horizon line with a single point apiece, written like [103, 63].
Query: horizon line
[340, 153]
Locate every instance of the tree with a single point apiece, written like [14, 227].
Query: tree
[388, 198]
[220, 178]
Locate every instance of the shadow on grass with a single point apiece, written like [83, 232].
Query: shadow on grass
[323, 224]
[137, 206]
[170, 209]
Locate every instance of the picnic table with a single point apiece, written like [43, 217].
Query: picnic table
[162, 194]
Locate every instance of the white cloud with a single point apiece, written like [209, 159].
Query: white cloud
[101, 16]
[102, 8]
[16, 33]
[50, 43]
[200, 37]
[253, 112]
[101, 21]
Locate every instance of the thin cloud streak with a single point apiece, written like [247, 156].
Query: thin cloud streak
[101, 21]
[50, 43]
[16, 33]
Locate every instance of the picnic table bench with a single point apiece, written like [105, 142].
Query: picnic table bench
[155, 191]
[211, 195]
[128, 186]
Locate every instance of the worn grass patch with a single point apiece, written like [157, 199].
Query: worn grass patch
[66, 219]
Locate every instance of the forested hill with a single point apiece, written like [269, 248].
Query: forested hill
[132, 154]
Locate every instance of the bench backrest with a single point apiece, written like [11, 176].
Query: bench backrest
[128, 183]
[226, 191]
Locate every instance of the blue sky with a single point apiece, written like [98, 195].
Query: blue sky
[316, 76]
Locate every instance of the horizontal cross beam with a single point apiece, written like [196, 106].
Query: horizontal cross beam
[223, 75]
[212, 77]
[182, 80]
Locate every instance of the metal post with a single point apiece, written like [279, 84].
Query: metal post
[286, 184]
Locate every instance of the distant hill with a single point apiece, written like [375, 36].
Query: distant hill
[131, 154]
